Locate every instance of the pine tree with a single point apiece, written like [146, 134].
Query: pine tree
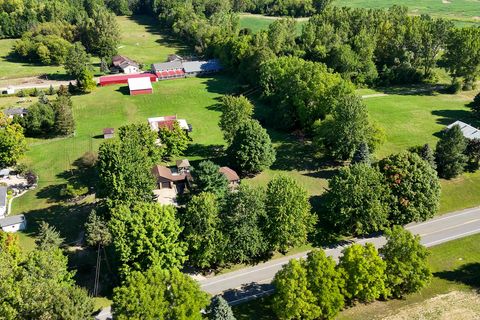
[449, 154]
[64, 122]
[362, 154]
[475, 105]
[48, 237]
[51, 91]
[427, 154]
[220, 309]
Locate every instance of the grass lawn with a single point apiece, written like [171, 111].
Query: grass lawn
[257, 22]
[455, 266]
[462, 11]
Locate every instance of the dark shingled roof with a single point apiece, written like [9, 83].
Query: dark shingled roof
[230, 174]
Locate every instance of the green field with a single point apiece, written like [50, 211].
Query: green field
[455, 266]
[257, 22]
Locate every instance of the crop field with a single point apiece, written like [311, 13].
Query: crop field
[257, 22]
[456, 274]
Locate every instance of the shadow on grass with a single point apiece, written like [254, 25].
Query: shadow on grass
[124, 90]
[259, 309]
[449, 116]
[212, 151]
[412, 90]
[468, 274]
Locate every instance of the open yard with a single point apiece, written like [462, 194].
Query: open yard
[257, 22]
[456, 269]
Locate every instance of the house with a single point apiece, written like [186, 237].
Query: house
[8, 90]
[170, 178]
[108, 133]
[231, 175]
[468, 131]
[13, 223]
[183, 166]
[167, 122]
[196, 68]
[140, 86]
[3, 201]
[123, 78]
[168, 70]
[125, 65]
[10, 113]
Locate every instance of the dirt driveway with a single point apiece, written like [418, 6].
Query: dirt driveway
[166, 196]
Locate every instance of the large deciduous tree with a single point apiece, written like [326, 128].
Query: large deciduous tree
[357, 200]
[289, 217]
[201, 231]
[414, 188]
[101, 33]
[146, 235]
[251, 150]
[174, 141]
[12, 142]
[159, 294]
[450, 153]
[364, 273]
[235, 112]
[77, 60]
[406, 259]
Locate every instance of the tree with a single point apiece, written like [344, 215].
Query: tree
[357, 200]
[64, 121]
[208, 178]
[220, 309]
[362, 154]
[325, 282]
[414, 188]
[475, 105]
[242, 220]
[364, 273]
[77, 60]
[48, 237]
[235, 112]
[201, 230]
[426, 153]
[159, 294]
[292, 298]
[124, 165]
[473, 153]
[289, 218]
[85, 81]
[40, 120]
[146, 235]
[348, 127]
[450, 153]
[174, 140]
[12, 142]
[251, 150]
[406, 259]
[102, 33]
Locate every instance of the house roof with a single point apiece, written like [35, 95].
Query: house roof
[12, 220]
[468, 131]
[230, 174]
[174, 57]
[4, 172]
[166, 173]
[167, 122]
[201, 66]
[3, 196]
[139, 83]
[184, 163]
[123, 62]
[165, 66]
[15, 111]
[108, 130]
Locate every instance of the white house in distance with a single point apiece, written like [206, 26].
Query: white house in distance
[167, 122]
[125, 65]
[140, 86]
[3, 201]
[13, 223]
[468, 131]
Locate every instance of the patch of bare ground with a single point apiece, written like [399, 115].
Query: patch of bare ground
[455, 305]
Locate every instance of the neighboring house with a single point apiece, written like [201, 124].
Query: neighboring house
[468, 131]
[3, 201]
[168, 70]
[197, 68]
[21, 112]
[170, 178]
[231, 175]
[140, 86]
[108, 133]
[183, 166]
[167, 122]
[125, 65]
[13, 223]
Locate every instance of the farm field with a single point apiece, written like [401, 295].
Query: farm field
[257, 22]
[455, 266]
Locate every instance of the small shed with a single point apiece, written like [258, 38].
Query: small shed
[3, 201]
[108, 133]
[13, 223]
[140, 86]
[8, 90]
[183, 165]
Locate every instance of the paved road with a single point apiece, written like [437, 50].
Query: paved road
[252, 282]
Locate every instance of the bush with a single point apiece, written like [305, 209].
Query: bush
[88, 159]
[455, 87]
[69, 191]
[21, 94]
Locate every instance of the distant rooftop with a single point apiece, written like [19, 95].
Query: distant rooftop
[12, 220]
[468, 131]
[201, 66]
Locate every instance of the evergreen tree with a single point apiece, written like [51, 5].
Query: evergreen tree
[48, 237]
[64, 121]
[427, 154]
[207, 178]
[473, 153]
[475, 105]
[362, 154]
[220, 309]
[450, 153]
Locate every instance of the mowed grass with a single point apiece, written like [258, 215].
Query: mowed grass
[455, 266]
[463, 12]
[257, 22]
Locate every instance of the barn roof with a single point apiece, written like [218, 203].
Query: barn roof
[468, 131]
[139, 83]
[201, 66]
[165, 66]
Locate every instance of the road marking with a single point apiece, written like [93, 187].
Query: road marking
[449, 228]
[451, 238]
[443, 218]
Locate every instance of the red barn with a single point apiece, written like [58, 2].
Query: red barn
[123, 78]
[140, 86]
